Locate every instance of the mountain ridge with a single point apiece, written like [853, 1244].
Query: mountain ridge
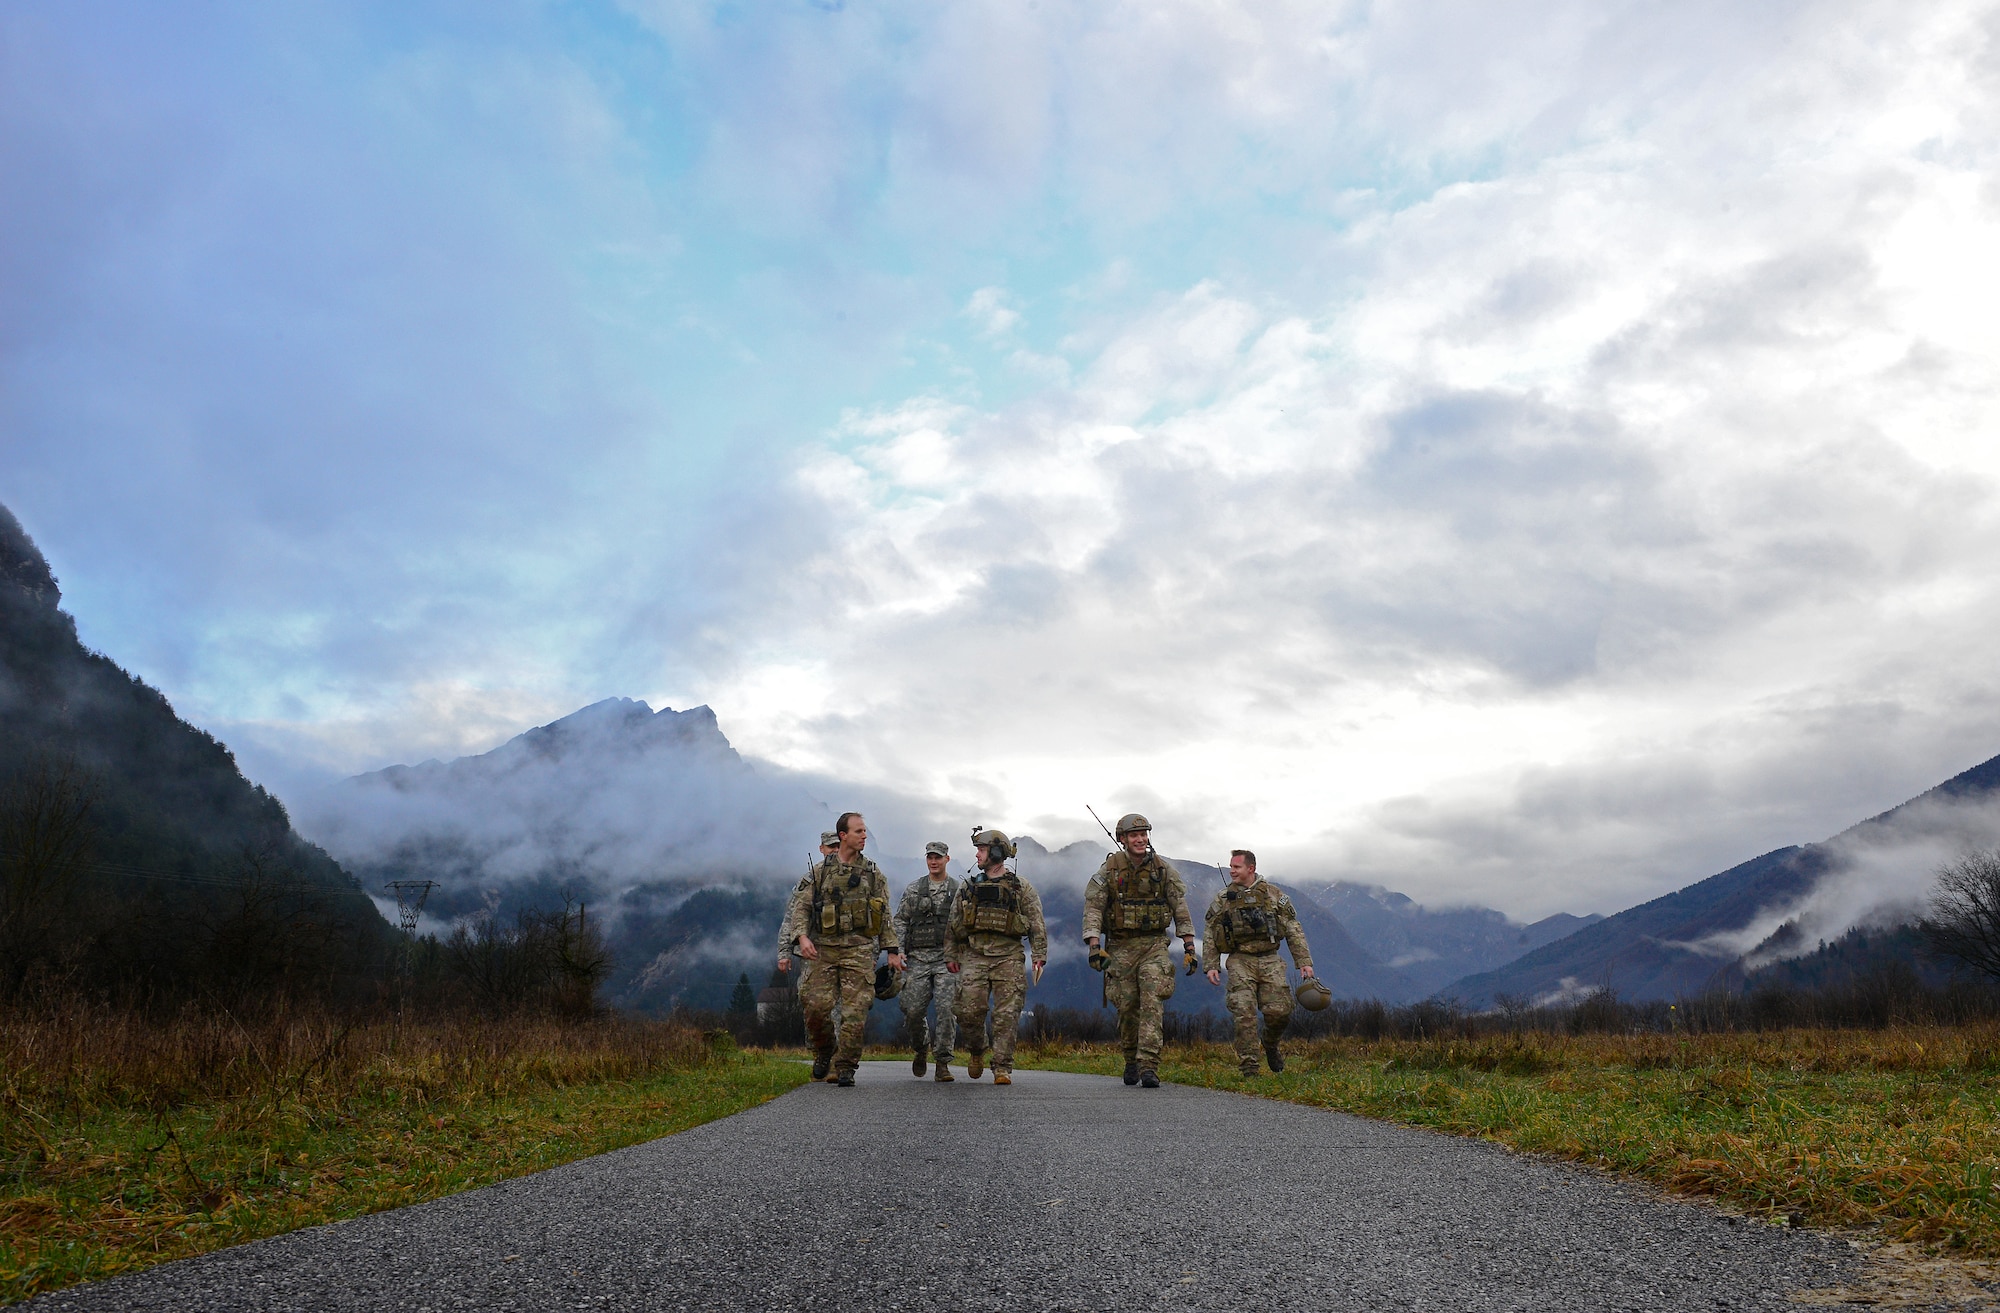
[176, 833]
[1708, 933]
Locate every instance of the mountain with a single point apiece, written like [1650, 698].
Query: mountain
[611, 799]
[184, 876]
[682, 850]
[1767, 910]
[1433, 947]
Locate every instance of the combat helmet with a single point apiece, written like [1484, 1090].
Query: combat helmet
[1129, 822]
[1313, 996]
[993, 839]
[888, 981]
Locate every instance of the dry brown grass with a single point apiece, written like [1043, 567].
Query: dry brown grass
[126, 1141]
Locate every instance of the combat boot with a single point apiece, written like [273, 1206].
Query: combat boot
[822, 1064]
[1148, 1079]
[1249, 1067]
[1273, 1057]
[975, 1063]
[944, 1076]
[1131, 1071]
[846, 1079]
[1003, 1078]
[917, 1064]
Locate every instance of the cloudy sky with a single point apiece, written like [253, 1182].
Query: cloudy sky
[1531, 453]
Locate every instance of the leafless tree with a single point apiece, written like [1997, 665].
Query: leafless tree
[578, 955]
[1964, 920]
[45, 846]
[551, 961]
[270, 931]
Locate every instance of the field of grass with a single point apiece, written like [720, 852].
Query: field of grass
[125, 1143]
[1898, 1128]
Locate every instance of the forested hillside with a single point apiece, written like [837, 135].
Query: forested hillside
[135, 858]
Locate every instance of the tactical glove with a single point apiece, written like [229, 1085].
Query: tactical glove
[1099, 959]
[1189, 956]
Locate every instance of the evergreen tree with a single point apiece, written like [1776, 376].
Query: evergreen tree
[742, 999]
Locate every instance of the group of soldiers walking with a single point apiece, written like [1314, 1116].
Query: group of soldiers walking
[955, 949]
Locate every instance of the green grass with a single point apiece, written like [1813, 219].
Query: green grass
[108, 1173]
[1897, 1128]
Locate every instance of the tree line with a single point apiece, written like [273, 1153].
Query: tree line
[262, 924]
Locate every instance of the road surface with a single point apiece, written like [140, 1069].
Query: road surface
[1062, 1192]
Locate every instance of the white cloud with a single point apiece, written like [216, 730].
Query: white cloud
[1560, 463]
[1551, 559]
[991, 308]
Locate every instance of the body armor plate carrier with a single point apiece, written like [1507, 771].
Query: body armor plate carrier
[1249, 922]
[844, 901]
[1135, 899]
[992, 906]
[929, 911]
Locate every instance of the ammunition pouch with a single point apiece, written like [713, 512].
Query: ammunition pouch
[1135, 902]
[987, 906]
[930, 923]
[1249, 926]
[848, 906]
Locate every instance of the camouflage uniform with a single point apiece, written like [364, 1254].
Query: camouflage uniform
[1249, 922]
[923, 927]
[845, 909]
[994, 914]
[790, 928]
[1130, 901]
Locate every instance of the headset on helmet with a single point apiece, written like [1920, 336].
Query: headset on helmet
[993, 839]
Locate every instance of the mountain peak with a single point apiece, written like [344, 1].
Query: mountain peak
[22, 564]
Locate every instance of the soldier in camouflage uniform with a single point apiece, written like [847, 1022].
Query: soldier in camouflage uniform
[1135, 895]
[996, 910]
[1248, 920]
[923, 927]
[845, 911]
[788, 941]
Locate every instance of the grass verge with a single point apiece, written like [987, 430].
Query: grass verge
[128, 1143]
[1898, 1128]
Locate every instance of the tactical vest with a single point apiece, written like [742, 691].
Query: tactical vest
[992, 906]
[930, 912]
[844, 901]
[1249, 919]
[1135, 900]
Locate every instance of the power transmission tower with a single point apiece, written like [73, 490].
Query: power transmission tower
[410, 896]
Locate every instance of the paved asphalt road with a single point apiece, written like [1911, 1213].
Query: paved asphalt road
[1063, 1192]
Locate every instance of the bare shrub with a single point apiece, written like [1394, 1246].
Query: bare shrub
[546, 961]
[1964, 920]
